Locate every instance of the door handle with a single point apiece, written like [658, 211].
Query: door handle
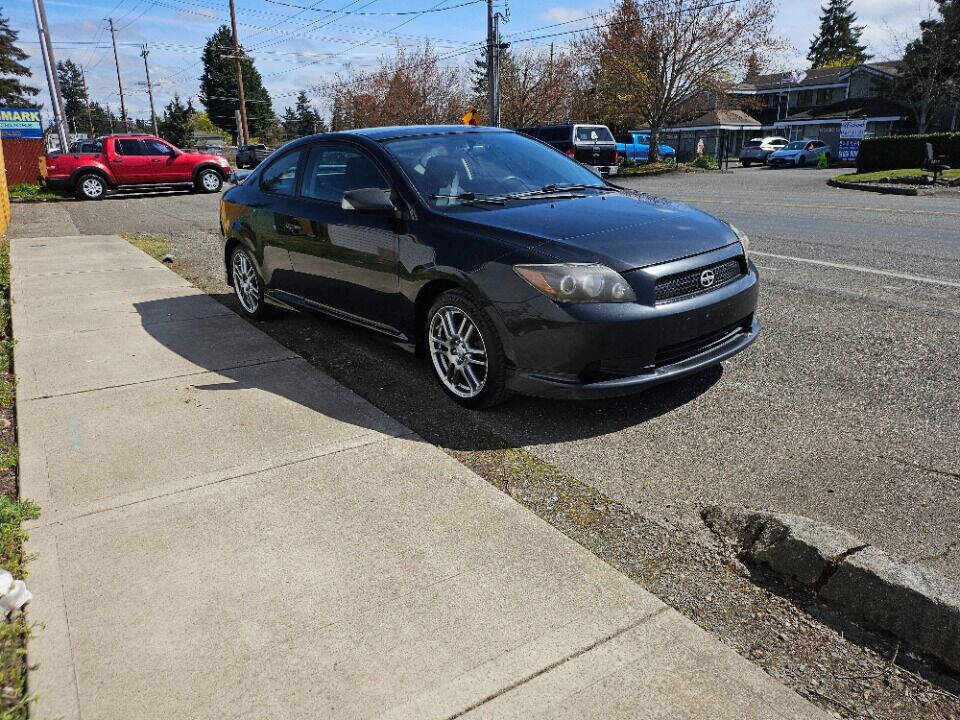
[155, 160]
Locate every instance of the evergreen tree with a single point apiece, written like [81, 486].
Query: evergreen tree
[838, 42]
[176, 123]
[74, 93]
[302, 119]
[218, 87]
[754, 67]
[12, 90]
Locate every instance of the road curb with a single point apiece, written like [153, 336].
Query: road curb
[871, 587]
[873, 188]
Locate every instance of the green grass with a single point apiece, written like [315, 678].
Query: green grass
[905, 172]
[31, 191]
[155, 247]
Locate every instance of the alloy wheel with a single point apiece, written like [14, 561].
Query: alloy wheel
[245, 282]
[458, 352]
[210, 181]
[92, 187]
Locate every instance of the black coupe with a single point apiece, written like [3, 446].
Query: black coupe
[511, 266]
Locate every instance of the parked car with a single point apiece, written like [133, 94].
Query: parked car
[512, 268]
[758, 150]
[799, 153]
[636, 146]
[592, 145]
[134, 160]
[251, 155]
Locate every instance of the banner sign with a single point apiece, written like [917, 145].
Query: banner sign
[848, 149]
[853, 129]
[20, 123]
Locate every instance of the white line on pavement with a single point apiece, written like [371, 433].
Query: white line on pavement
[860, 268]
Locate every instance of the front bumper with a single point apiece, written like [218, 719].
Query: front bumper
[792, 160]
[527, 383]
[608, 349]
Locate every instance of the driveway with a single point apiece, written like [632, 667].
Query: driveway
[845, 410]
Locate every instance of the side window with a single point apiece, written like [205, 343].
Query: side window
[128, 147]
[332, 170]
[281, 176]
[155, 147]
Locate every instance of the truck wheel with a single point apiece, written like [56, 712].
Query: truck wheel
[90, 187]
[209, 181]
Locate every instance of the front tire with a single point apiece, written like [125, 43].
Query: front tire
[465, 351]
[801, 161]
[745, 163]
[248, 286]
[209, 181]
[91, 187]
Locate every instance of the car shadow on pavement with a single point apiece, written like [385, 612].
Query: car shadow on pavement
[402, 385]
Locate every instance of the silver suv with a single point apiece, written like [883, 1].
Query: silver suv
[758, 149]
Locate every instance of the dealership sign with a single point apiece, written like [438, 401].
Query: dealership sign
[20, 123]
[851, 133]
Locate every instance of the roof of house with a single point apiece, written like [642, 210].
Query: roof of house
[850, 108]
[814, 76]
[719, 118]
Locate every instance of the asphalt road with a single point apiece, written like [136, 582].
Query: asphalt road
[845, 410]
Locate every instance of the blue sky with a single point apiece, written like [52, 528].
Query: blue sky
[299, 49]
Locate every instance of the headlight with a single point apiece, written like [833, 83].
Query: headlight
[577, 282]
[744, 241]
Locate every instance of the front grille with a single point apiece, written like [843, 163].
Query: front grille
[681, 285]
[672, 354]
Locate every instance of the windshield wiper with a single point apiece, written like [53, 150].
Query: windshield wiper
[553, 189]
[469, 197]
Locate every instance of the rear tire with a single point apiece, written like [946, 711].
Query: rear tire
[90, 186]
[465, 351]
[745, 163]
[209, 181]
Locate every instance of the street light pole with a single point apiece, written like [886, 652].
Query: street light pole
[50, 66]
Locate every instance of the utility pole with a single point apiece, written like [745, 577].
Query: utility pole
[492, 69]
[50, 65]
[86, 94]
[146, 67]
[116, 60]
[237, 58]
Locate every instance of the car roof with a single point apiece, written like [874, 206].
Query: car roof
[402, 131]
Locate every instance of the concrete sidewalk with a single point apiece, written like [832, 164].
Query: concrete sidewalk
[228, 533]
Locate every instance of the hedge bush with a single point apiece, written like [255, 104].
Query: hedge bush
[893, 152]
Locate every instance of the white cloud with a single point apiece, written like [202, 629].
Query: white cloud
[563, 14]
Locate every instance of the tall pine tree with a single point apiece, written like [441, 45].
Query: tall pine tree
[13, 91]
[838, 42]
[218, 87]
[176, 123]
[74, 93]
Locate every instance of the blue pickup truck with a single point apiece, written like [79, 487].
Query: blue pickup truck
[636, 146]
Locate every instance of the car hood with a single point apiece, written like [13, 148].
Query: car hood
[626, 230]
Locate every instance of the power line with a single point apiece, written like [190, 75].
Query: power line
[357, 12]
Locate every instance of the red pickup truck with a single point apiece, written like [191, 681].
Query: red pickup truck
[133, 160]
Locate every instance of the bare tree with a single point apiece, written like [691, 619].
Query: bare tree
[535, 87]
[407, 89]
[652, 58]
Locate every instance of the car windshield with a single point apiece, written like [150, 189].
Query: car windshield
[797, 145]
[461, 168]
[593, 134]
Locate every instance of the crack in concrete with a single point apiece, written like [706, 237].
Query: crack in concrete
[835, 562]
[918, 466]
[554, 665]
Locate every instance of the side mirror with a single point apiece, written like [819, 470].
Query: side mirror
[368, 200]
[238, 176]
